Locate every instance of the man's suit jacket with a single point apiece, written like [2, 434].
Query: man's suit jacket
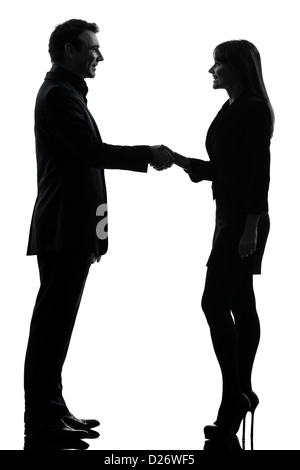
[71, 159]
[238, 145]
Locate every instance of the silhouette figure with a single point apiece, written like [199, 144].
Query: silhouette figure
[238, 145]
[69, 224]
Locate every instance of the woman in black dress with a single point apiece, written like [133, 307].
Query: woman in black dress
[238, 145]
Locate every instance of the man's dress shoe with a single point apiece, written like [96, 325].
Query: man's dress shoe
[55, 427]
[86, 424]
[77, 423]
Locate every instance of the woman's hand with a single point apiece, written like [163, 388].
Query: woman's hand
[198, 170]
[248, 241]
[182, 161]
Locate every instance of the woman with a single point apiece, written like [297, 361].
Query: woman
[238, 145]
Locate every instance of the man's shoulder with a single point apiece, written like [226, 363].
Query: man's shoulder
[58, 86]
[54, 92]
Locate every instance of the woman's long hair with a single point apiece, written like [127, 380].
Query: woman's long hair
[244, 57]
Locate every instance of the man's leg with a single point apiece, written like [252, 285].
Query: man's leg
[63, 276]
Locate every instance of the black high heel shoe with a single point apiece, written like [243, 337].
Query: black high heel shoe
[254, 401]
[223, 429]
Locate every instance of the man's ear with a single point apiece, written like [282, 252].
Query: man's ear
[69, 48]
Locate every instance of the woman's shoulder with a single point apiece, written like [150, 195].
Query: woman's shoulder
[255, 102]
[255, 107]
[256, 112]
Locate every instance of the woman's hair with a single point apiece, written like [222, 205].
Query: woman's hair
[244, 57]
[68, 32]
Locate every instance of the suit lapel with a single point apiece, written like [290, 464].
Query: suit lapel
[60, 75]
[88, 113]
[223, 120]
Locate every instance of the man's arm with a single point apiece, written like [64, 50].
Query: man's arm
[77, 139]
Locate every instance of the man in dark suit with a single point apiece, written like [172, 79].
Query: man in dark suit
[69, 224]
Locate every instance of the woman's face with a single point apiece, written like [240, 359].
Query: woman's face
[223, 76]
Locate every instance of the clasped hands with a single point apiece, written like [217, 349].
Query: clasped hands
[162, 157]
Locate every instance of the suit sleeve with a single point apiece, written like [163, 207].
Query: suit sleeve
[76, 137]
[258, 157]
[199, 170]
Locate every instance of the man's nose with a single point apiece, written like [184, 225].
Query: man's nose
[100, 57]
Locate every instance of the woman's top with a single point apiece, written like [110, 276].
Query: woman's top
[238, 145]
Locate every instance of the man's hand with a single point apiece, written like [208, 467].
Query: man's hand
[162, 157]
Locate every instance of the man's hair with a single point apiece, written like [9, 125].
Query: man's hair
[68, 32]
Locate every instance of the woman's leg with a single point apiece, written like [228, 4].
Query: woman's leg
[248, 329]
[216, 304]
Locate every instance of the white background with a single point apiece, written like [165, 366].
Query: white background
[141, 359]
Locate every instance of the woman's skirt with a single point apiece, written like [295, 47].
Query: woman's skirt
[229, 228]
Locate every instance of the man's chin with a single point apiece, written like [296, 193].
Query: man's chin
[92, 72]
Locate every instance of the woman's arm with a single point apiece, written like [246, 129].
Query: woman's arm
[198, 170]
[257, 157]
[182, 161]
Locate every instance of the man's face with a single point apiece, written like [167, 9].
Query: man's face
[88, 56]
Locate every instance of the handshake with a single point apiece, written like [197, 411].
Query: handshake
[162, 157]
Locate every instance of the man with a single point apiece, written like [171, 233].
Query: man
[68, 230]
